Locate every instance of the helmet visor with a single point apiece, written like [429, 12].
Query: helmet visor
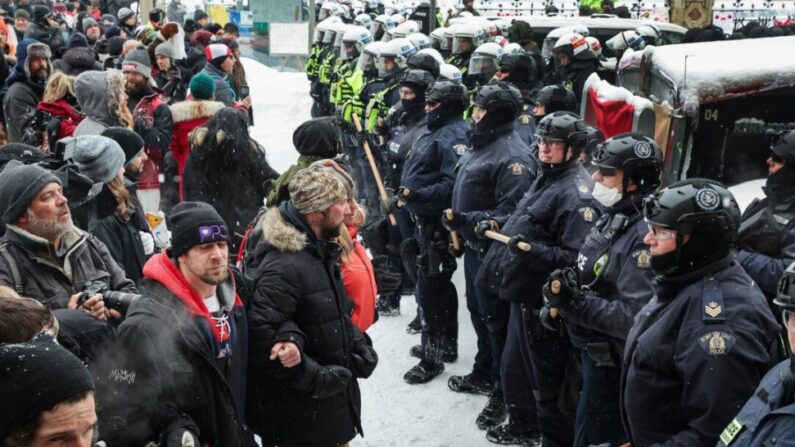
[349, 50]
[319, 35]
[366, 63]
[462, 45]
[483, 64]
[329, 37]
[386, 65]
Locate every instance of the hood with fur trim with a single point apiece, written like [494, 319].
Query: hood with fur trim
[190, 110]
[281, 234]
[99, 95]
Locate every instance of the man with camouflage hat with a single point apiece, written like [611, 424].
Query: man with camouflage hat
[304, 349]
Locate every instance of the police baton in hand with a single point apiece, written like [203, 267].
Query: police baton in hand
[554, 288]
[499, 237]
[374, 168]
[448, 214]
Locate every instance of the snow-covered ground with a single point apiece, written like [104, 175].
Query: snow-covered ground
[393, 413]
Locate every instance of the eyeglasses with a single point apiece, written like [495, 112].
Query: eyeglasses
[661, 234]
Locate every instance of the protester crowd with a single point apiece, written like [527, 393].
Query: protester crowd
[608, 308]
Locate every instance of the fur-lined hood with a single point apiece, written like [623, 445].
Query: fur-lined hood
[99, 95]
[280, 234]
[191, 110]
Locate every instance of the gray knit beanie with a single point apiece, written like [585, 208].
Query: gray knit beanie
[98, 158]
[138, 60]
[19, 185]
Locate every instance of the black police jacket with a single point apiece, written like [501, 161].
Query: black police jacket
[554, 215]
[401, 139]
[695, 354]
[491, 179]
[429, 171]
[615, 272]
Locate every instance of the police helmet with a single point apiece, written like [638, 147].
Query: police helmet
[785, 294]
[703, 210]
[638, 156]
[417, 79]
[502, 102]
[450, 72]
[784, 148]
[448, 93]
[424, 61]
[564, 126]
[522, 69]
[556, 98]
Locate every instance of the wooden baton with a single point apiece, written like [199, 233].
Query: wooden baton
[499, 237]
[374, 168]
[555, 288]
[448, 213]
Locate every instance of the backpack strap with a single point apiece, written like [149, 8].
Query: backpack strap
[12, 266]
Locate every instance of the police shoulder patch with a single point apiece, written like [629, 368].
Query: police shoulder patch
[583, 189]
[717, 343]
[643, 258]
[731, 431]
[516, 168]
[587, 213]
[460, 148]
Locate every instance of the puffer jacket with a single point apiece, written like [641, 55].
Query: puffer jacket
[357, 274]
[298, 281]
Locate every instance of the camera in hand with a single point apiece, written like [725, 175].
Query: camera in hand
[118, 301]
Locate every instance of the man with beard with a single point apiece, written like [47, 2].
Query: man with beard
[152, 122]
[21, 21]
[45, 257]
[305, 352]
[185, 342]
[26, 87]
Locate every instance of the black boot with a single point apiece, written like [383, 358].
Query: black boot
[507, 434]
[446, 357]
[423, 373]
[470, 384]
[415, 327]
[494, 412]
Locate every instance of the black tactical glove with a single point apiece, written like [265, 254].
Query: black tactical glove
[386, 281]
[570, 293]
[483, 226]
[395, 204]
[181, 438]
[405, 193]
[549, 323]
[331, 380]
[451, 221]
[364, 357]
[513, 246]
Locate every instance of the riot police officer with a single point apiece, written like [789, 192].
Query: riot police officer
[553, 218]
[576, 62]
[426, 189]
[611, 281]
[520, 70]
[554, 98]
[490, 181]
[768, 415]
[767, 234]
[700, 346]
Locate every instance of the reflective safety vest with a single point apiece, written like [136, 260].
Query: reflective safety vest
[378, 108]
[339, 89]
[326, 65]
[311, 66]
[348, 90]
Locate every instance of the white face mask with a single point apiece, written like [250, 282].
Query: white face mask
[606, 196]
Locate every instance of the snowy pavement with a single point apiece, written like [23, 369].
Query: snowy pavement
[393, 413]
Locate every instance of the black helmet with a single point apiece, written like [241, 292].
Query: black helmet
[638, 156]
[522, 69]
[424, 61]
[785, 295]
[419, 81]
[564, 126]
[594, 138]
[702, 209]
[502, 101]
[784, 148]
[555, 98]
[448, 93]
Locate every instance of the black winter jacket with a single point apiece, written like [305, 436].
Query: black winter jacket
[50, 36]
[162, 374]
[298, 284]
[77, 60]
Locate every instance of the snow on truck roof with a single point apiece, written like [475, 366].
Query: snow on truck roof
[717, 70]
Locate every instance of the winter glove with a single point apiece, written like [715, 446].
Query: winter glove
[364, 357]
[331, 380]
[173, 74]
[483, 226]
[549, 323]
[386, 281]
[513, 246]
[395, 204]
[148, 242]
[181, 438]
[451, 220]
[405, 193]
[570, 293]
[452, 250]
[169, 30]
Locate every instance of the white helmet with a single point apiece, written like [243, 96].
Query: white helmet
[345, 12]
[334, 28]
[328, 9]
[467, 37]
[513, 48]
[437, 39]
[405, 28]
[503, 26]
[626, 39]
[398, 50]
[381, 24]
[323, 27]
[340, 32]
[450, 72]
[651, 34]
[490, 30]
[485, 62]
[596, 46]
[370, 53]
[572, 45]
[421, 41]
[436, 55]
[363, 20]
[398, 18]
[353, 41]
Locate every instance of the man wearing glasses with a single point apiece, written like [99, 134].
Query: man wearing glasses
[611, 281]
[700, 346]
[768, 414]
[766, 238]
